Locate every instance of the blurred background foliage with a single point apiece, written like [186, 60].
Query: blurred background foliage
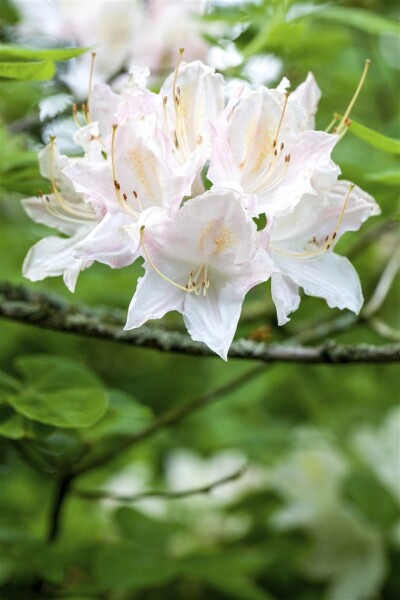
[315, 512]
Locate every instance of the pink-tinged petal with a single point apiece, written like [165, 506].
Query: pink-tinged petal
[329, 276]
[103, 105]
[51, 257]
[308, 95]
[285, 295]
[213, 319]
[95, 181]
[138, 101]
[154, 297]
[88, 137]
[223, 170]
[109, 243]
[309, 155]
[201, 99]
[317, 217]
[42, 211]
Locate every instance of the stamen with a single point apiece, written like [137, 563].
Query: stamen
[287, 94]
[342, 123]
[81, 214]
[336, 117]
[156, 269]
[75, 115]
[89, 95]
[329, 239]
[117, 186]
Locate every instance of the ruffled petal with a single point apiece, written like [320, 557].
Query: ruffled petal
[154, 297]
[285, 295]
[51, 257]
[330, 276]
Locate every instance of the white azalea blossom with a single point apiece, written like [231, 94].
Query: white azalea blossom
[139, 191]
[263, 145]
[201, 264]
[64, 210]
[302, 243]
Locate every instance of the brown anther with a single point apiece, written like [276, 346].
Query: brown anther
[275, 152]
[334, 235]
[203, 283]
[193, 284]
[134, 193]
[186, 286]
[125, 197]
[165, 100]
[48, 199]
[178, 91]
[347, 122]
[274, 143]
[326, 238]
[116, 184]
[328, 246]
[282, 146]
[177, 99]
[287, 158]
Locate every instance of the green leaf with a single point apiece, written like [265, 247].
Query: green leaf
[11, 423]
[124, 416]
[389, 177]
[27, 71]
[9, 51]
[365, 20]
[50, 373]
[58, 392]
[375, 139]
[8, 383]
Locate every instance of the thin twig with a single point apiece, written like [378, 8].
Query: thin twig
[383, 287]
[19, 304]
[205, 489]
[169, 418]
[61, 492]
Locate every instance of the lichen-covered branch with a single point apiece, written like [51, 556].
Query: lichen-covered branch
[19, 304]
[166, 495]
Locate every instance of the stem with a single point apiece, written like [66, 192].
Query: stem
[168, 419]
[62, 489]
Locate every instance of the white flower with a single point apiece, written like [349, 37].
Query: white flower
[301, 245]
[135, 184]
[201, 264]
[64, 210]
[263, 145]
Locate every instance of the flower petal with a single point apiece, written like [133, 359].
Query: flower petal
[285, 295]
[329, 276]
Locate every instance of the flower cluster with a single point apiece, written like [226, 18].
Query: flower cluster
[181, 179]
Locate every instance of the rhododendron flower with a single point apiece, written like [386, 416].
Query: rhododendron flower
[65, 210]
[201, 264]
[263, 145]
[301, 245]
[136, 182]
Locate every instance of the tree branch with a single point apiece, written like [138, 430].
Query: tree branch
[19, 304]
[169, 418]
[205, 489]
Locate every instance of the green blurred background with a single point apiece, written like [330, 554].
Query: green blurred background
[316, 512]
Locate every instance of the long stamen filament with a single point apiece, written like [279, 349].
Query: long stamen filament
[342, 123]
[157, 270]
[81, 214]
[89, 95]
[117, 188]
[281, 119]
[328, 240]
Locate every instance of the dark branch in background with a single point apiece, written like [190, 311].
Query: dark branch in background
[62, 488]
[169, 418]
[205, 489]
[19, 304]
